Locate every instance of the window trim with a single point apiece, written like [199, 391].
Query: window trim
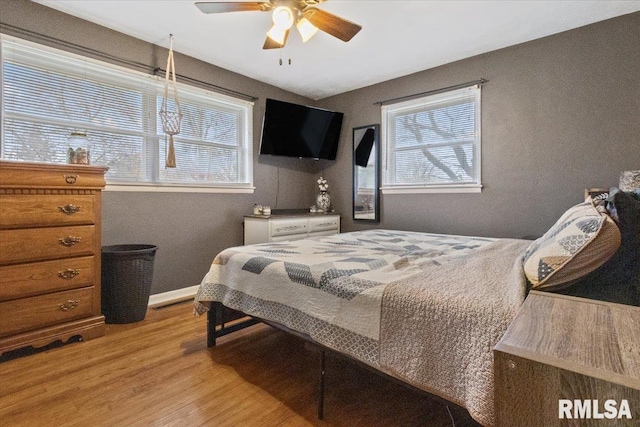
[244, 150]
[387, 110]
[178, 188]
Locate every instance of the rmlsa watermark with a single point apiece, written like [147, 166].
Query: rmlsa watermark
[591, 409]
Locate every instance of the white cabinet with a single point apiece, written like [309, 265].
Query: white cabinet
[279, 228]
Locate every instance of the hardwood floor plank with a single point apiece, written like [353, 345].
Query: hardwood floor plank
[159, 372]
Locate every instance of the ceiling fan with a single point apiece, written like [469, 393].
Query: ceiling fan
[285, 13]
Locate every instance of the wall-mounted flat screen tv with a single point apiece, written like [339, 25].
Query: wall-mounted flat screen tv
[294, 130]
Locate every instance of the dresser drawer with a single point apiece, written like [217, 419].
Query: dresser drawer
[323, 233]
[25, 280]
[324, 224]
[283, 227]
[35, 312]
[43, 210]
[34, 244]
[33, 175]
[289, 237]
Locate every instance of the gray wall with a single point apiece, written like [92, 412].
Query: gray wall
[559, 114]
[188, 228]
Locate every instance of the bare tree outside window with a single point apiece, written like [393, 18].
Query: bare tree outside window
[433, 142]
[48, 93]
[207, 145]
[68, 103]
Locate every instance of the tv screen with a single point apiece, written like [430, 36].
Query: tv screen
[298, 131]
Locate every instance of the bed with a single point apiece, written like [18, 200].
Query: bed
[426, 309]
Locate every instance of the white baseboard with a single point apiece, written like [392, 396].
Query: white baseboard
[165, 298]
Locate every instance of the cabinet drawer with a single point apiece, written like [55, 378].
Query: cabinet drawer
[324, 224]
[289, 237]
[34, 175]
[283, 227]
[323, 233]
[42, 210]
[34, 244]
[24, 280]
[35, 312]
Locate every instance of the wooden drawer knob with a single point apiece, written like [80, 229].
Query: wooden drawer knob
[69, 273]
[69, 240]
[69, 209]
[69, 305]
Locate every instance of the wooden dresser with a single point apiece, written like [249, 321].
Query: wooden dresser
[569, 348]
[49, 253]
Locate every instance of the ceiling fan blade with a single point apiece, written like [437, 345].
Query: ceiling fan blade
[269, 43]
[232, 6]
[332, 24]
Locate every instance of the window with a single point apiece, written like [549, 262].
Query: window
[432, 144]
[48, 93]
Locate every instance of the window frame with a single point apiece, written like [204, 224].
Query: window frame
[151, 87]
[388, 150]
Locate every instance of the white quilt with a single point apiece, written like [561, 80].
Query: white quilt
[333, 288]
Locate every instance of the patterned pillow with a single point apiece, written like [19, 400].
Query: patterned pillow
[582, 240]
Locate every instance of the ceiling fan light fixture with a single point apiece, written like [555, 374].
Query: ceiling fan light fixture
[277, 34]
[282, 17]
[284, 13]
[306, 29]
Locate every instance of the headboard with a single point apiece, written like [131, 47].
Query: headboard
[618, 280]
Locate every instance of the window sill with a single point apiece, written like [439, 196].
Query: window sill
[408, 189]
[177, 188]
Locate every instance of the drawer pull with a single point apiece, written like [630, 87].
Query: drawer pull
[326, 224]
[70, 209]
[69, 240]
[70, 179]
[69, 305]
[290, 228]
[69, 273]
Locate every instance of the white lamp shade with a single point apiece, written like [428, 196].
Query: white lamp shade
[282, 17]
[306, 29]
[277, 34]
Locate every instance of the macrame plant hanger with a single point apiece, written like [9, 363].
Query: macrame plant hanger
[170, 118]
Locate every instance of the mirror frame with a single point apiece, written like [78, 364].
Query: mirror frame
[375, 152]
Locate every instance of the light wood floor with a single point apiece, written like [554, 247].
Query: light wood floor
[159, 372]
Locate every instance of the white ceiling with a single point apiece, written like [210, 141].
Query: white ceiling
[398, 37]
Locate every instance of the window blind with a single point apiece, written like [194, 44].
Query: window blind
[48, 93]
[433, 141]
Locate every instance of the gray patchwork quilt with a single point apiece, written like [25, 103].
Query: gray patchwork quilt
[329, 288]
[427, 309]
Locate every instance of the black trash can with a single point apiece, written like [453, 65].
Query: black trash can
[127, 274]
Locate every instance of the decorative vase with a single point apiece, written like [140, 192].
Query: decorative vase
[323, 201]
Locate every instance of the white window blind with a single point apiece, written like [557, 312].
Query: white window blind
[48, 93]
[432, 143]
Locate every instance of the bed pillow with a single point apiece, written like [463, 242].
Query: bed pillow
[583, 239]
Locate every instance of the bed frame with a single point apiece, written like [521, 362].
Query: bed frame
[459, 416]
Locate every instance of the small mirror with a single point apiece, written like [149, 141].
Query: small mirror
[366, 173]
